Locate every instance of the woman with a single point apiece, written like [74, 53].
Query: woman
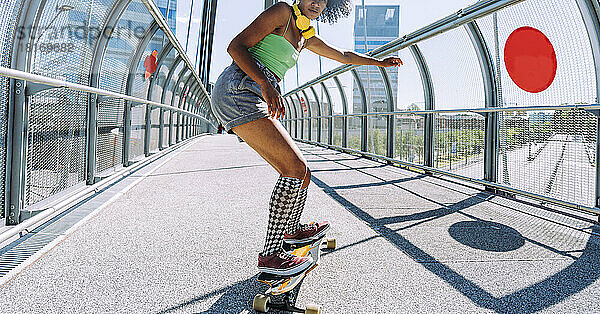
[247, 99]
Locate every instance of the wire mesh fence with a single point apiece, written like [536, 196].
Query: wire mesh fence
[56, 143]
[62, 44]
[459, 144]
[551, 153]
[409, 138]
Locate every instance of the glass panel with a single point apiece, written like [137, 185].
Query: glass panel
[171, 85]
[355, 106]
[157, 92]
[377, 102]
[408, 92]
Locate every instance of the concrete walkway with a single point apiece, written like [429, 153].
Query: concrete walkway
[185, 240]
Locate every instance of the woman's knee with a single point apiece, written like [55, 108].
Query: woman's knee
[306, 181]
[297, 170]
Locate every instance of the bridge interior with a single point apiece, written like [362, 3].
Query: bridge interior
[466, 181]
[406, 242]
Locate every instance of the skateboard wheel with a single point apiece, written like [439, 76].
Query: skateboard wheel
[260, 303]
[331, 244]
[312, 309]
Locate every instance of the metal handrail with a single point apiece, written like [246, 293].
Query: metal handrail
[474, 110]
[455, 20]
[16, 74]
[591, 210]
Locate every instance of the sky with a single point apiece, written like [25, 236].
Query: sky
[448, 55]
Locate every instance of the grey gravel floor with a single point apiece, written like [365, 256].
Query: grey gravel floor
[186, 238]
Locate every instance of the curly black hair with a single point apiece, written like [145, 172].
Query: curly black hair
[335, 10]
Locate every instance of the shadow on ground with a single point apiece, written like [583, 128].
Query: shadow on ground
[235, 298]
[584, 271]
[477, 233]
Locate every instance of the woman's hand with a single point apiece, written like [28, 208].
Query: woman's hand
[391, 61]
[274, 100]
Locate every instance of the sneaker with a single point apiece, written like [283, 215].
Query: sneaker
[283, 264]
[307, 233]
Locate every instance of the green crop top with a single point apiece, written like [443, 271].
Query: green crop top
[276, 53]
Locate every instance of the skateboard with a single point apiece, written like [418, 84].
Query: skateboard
[285, 284]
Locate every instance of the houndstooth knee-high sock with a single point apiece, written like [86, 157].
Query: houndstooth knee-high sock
[280, 208]
[294, 224]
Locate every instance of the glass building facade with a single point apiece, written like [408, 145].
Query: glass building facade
[382, 26]
[169, 10]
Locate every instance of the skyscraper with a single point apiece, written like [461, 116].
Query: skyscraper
[168, 8]
[382, 26]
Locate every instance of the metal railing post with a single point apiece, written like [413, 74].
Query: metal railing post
[16, 156]
[429, 96]
[100, 48]
[491, 101]
[296, 121]
[590, 11]
[184, 97]
[17, 116]
[192, 100]
[193, 108]
[191, 105]
[301, 114]
[176, 92]
[364, 127]
[133, 65]
[153, 81]
[330, 107]
[344, 111]
[288, 116]
[391, 126]
[286, 119]
[162, 100]
[312, 89]
[92, 139]
[309, 110]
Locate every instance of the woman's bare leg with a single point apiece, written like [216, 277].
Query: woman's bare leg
[271, 141]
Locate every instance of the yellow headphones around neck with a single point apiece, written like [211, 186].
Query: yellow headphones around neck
[303, 23]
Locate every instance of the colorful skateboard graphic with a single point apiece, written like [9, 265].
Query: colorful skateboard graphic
[286, 284]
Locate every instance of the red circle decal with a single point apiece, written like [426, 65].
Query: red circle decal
[530, 59]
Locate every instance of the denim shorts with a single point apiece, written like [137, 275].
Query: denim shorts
[237, 98]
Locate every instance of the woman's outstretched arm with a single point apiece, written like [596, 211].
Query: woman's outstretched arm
[320, 47]
[263, 25]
